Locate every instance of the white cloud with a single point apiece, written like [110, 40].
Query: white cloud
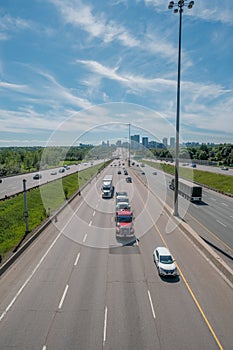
[81, 15]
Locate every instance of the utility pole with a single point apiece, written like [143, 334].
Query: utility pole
[25, 205]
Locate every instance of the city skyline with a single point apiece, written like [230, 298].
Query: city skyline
[71, 69]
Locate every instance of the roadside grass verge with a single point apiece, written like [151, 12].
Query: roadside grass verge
[219, 182]
[41, 201]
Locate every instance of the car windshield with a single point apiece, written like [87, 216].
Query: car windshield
[124, 200]
[125, 218]
[166, 259]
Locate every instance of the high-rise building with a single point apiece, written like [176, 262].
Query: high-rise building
[165, 141]
[172, 142]
[135, 140]
[145, 142]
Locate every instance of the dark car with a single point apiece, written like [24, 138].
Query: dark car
[128, 179]
[37, 176]
[119, 172]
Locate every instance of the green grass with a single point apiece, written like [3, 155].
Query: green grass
[51, 195]
[219, 182]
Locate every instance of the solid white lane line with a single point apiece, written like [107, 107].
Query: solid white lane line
[151, 304]
[93, 213]
[226, 205]
[84, 238]
[221, 223]
[63, 297]
[36, 267]
[44, 347]
[29, 278]
[105, 324]
[77, 259]
[90, 223]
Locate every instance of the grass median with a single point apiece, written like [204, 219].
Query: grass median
[41, 201]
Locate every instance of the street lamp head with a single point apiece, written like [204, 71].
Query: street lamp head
[190, 5]
[171, 4]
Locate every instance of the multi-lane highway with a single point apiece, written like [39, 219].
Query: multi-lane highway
[77, 287]
[212, 218]
[14, 184]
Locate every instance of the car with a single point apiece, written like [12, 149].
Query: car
[121, 193]
[143, 173]
[125, 172]
[53, 172]
[62, 170]
[123, 206]
[154, 173]
[128, 179]
[37, 176]
[164, 262]
[122, 199]
[224, 168]
[0, 181]
[193, 165]
[119, 172]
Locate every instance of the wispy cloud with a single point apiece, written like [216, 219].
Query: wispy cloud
[98, 26]
[9, 25]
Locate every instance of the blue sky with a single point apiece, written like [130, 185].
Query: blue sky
[79, 71]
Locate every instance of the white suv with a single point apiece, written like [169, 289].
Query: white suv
[164, 262]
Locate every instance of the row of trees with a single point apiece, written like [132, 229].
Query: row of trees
[17, 160]
[222, 154]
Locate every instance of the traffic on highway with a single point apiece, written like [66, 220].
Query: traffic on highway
[14, 184]
[107, 277]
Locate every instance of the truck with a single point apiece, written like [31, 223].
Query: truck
[107, 186]
[188, 190]
[124, 224]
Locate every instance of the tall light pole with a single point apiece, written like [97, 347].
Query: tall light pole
[129, 147]
[178, 8]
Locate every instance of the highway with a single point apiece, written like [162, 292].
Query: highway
[14, 184]
[76, 287]
[212, 218]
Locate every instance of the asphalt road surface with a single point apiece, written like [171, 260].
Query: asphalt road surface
[212, 218]
[77, 287]
[14, 184]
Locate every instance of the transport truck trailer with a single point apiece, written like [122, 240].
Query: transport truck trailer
[188, 190]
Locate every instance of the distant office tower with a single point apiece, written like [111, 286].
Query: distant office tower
[172, 142]
[118, 143]
[145, 142]
[135, 140]
[165, 141]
